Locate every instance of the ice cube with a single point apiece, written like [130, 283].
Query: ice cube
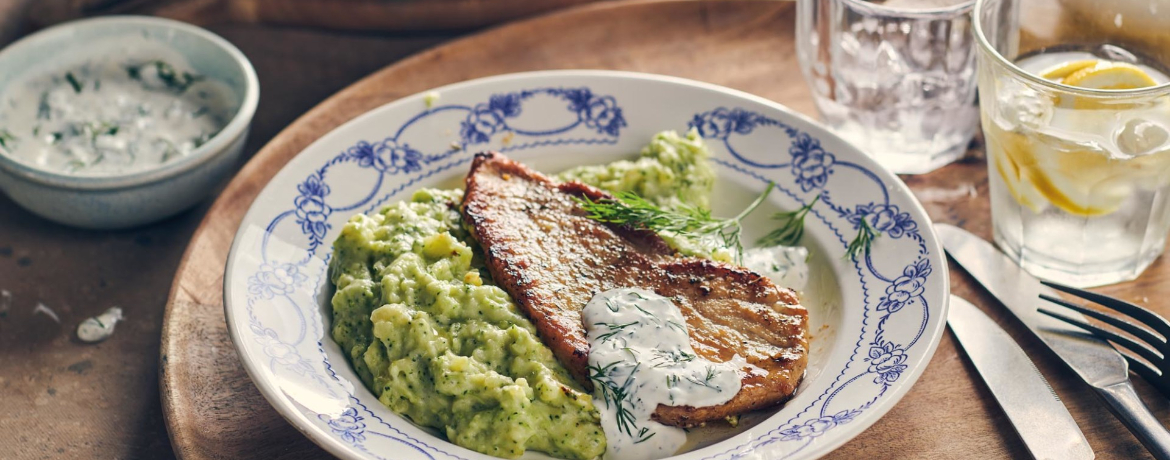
[1117, 53]
[1141, 137]
[1020, 105]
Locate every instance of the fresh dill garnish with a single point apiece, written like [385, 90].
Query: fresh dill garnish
[705, 379]
[178, 81]
[73, 82]
[202, 139]
[791, 227]
[169, 151]
[617, 396]
[6, 138]
[628, 208]
[44, 111]
[668, 357]
[614, 329]
[167, 74]
[863, 241]
[101, 128]
[674, 324]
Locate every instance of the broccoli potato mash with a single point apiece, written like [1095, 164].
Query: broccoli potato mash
[430, 335]
[670, 171]
[438, 345]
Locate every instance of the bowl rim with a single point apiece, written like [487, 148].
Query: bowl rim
[218, 145]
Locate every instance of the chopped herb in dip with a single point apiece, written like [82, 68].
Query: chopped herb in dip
[113, 114]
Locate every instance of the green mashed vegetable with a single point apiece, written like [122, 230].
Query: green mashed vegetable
[671, 171]
[428, 333]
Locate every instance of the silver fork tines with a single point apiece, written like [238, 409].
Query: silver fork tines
[1151, 342]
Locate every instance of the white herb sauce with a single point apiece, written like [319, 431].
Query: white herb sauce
[121, 112]
[640, 356]
[787, 266]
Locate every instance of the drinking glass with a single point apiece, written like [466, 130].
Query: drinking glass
[1075, 105]
[894, 78]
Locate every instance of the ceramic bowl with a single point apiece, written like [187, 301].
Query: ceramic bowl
[135, 198]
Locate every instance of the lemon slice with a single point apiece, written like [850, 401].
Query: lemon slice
[1096, 74]
[1008, 150]
[1081, 183]
[1109, 75]
[1078, 182]
[1063, 70]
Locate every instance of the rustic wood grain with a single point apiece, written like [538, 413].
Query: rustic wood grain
[370, 15]
[64, 399]
[214, 412]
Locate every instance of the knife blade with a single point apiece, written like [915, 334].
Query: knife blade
[1093, 359]
[1037, 414]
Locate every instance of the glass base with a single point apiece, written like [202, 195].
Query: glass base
[913, 163]
[1076, 275]
[902, 154]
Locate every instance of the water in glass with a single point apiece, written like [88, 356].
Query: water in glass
[894, 78]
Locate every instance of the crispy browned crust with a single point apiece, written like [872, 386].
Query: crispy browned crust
[551, 259]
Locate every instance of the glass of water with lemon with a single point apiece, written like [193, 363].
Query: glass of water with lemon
[1075, 107]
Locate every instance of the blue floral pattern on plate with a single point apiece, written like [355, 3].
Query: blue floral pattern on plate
[286, 284]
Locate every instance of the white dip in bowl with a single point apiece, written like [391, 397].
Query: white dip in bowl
[131, 120]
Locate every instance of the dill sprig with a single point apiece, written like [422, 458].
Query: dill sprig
[618, 396]
[73, 82]
[670, 358]
[614, 329]
[628, 208]
[171, 77]
[705, 379]
[791, 227]
[7, 139]
[865, 237]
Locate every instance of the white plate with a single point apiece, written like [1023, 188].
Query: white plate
[875, 321]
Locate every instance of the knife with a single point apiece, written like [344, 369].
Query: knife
[1092, 358]
[1041, 420]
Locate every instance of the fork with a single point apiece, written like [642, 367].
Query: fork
[1150, 343]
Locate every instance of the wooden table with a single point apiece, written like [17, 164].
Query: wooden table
[73, 400]
[63, 399]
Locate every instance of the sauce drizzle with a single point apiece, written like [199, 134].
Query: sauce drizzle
[640, 357]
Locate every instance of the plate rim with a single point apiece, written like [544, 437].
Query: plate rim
[301, 423]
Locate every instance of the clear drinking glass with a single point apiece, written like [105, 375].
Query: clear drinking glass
[894, 78]
[1075, 103]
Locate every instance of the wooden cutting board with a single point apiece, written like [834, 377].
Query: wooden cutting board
[213, 410]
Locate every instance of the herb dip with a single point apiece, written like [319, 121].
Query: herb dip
[640, 356]
[121, 112]
[787, 266]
